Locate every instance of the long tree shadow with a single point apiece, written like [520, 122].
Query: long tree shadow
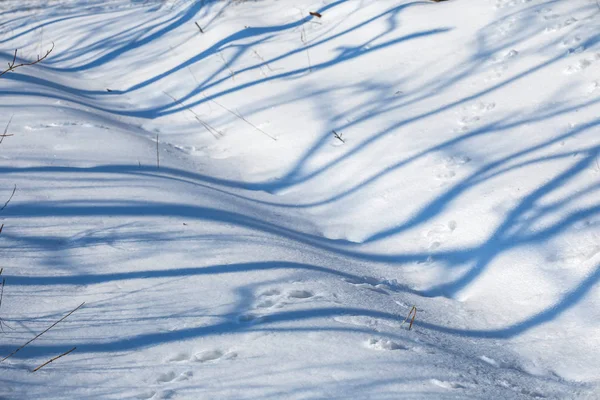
[520, 226]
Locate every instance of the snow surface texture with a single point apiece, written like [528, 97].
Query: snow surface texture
[269, 259]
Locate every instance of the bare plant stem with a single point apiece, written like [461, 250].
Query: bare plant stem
[264, 61]
[5, 134]
[216, 133]
[413, 313]
[413, 319]
[304, 40]
[2, 323]
[338, 136]
[9, 199]
[157, 154]
[243, 119]
[13, 64]
[54, 359]
[44, 331]
[231, 72]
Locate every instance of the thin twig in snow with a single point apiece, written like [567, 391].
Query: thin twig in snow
[243, 119]
[157, 154]
[12, 65]
[304, 40]
[54, 359]
[265, 62]
[44, 331]
[215, 132]
[5, 134]
[10, 198]
[338, 136]
[231, 72]
[2, 323]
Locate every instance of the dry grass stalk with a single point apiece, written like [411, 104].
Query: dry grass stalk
[413, 313]
[216, 133]
[41, 333]
[231, 72]
[157, 154]
[243, 119]
[53, 359]
[2, 323]
[5, 134]
[9, 199]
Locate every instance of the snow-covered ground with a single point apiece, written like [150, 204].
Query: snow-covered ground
[318, 177]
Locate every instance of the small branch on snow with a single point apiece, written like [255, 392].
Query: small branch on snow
[44, 331]
[13, 64]
[5, 134]
[215, 132]
[338, 136]
[231, 72]
[9, 199]
[157, 154]
[2, 323]
[54, 358]
[413, 312]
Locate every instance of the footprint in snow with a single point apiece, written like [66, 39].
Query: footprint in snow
[166, 377]
[203, 356]
[146, 395]
[154, 395]
[300, 294]
[369, 283]
[179, 357]
[249, 318]
[274, 298]
[439, 234]
[213, 355]
[384, 344]
[447, 384]
[582, 64]
[561, 25]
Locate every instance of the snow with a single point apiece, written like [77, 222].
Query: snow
[264, 257]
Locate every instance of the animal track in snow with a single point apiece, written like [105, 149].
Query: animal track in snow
[213, 355]
[384, 344]
[373, 284]
[202, 357]
[582, 64]
[300, 294]
[154, 395]
[439, 233]
[249, 318]
[510, 3]
[179, 357]
[561, 25]
[275, 298]
[472, 114]
[146, 395]
[369, 322]
[166, 377]
[500, 64]
[447, 384]
[489, 361]
[573, 45]
[446, 167]
[65, 124]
